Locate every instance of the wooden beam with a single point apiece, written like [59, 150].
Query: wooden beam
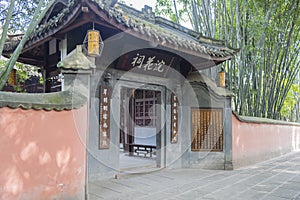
[73, 26]
[84, 20]
[31, 61]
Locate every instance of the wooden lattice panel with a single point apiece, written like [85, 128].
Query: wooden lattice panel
[145, 109]
[207, 129]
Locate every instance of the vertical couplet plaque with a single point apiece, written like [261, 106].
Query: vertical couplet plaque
[104, 117]
[174, 119]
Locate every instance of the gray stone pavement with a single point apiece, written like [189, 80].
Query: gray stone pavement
[276, 179]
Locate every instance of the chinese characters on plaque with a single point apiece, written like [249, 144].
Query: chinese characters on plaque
[174, 119]
[104, 138]
[150, 63]
[147, 61]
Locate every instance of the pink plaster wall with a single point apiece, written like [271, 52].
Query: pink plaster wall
[42, 154]
[254, 142]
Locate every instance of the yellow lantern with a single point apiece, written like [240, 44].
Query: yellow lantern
[12, 79]
[222, 78]
[93, 43]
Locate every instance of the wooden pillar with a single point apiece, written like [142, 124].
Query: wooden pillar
[132, 117]
[47, 81]
[123, 117]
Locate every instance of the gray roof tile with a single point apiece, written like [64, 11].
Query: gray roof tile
[162, 30]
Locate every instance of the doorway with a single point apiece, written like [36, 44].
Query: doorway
[140, 129]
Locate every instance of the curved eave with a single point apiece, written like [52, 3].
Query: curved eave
[210, 63]
[45, 32]
[204, 81]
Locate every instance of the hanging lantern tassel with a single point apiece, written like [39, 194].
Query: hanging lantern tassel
[222, 78]
[93, 43]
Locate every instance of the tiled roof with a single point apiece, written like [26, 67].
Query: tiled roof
[160, 30]
[167, 32]
[11, 42]
[66, 100]
[44, 29]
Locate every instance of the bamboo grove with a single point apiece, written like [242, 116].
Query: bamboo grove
[267, 34]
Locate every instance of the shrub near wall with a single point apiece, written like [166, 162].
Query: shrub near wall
[42, 154]
[256, 139]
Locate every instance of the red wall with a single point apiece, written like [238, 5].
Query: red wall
[42, 154]
[255, 142]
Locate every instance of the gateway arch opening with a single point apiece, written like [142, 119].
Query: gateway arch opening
[140, 129]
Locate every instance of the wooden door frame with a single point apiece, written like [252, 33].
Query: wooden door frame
[161, 115]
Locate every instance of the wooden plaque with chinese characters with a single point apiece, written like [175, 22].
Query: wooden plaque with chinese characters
[207, 129]
[147, 61]
[174, 119]
[104, 136]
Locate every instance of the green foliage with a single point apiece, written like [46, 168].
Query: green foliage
[22, 13]
[290, 110]
[166, 9]
[36, 19]
[23, 73]
[267, 34]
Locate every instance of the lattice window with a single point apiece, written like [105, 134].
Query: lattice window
[145, 113]
[207, 129]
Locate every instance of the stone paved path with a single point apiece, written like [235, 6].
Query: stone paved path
[276, 179]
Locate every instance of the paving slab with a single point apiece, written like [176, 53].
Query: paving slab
[285, 193]
[276, 179]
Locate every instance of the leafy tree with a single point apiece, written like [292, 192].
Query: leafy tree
[36, 18]
[23, 73]
[21, 14]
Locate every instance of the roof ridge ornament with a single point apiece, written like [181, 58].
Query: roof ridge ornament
[148, 12]
[111, 3]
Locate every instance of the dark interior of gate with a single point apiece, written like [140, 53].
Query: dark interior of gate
[138, 114]
[138, 128]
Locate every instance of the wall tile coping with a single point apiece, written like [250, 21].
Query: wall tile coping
[66, 100]
[259, 120]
